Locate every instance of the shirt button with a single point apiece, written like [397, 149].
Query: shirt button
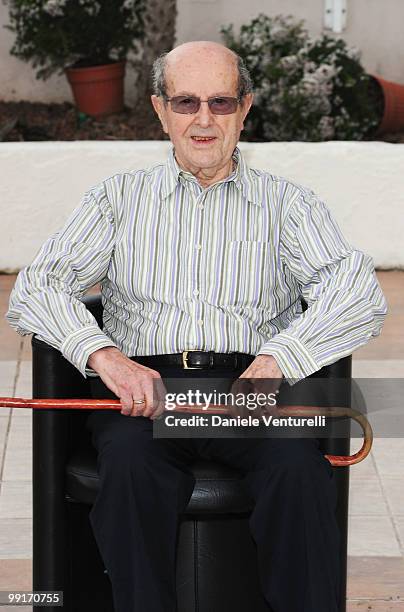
[198, 247]
[200, 322]
[196, 292]
[201, 206]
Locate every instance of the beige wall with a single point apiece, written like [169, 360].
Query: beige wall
[374, 26]
[18, 80]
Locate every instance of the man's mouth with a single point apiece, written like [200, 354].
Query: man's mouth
[203, 138]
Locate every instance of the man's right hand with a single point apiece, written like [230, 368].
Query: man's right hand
[129, 381]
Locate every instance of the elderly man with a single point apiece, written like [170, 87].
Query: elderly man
[203, 254]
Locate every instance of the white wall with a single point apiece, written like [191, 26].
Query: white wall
[361, 183]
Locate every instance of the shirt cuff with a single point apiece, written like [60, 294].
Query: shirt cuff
[292, 357]
[80, 344]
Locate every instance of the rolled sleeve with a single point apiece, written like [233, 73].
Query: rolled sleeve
[80, 344]
[293, 358]
[345, 304]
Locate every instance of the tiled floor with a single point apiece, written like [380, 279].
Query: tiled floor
[376, 522]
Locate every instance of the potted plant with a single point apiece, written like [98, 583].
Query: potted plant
[306, 89]
[391, 98]
[88, 40]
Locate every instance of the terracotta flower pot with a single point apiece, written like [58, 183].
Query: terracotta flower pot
[393, 106]
[98, 90]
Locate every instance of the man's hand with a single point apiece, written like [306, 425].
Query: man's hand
[263, 376]
[263, 366]
[129, 381]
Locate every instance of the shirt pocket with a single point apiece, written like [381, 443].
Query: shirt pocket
[247, 267]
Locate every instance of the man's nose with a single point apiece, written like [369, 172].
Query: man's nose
[204, 116]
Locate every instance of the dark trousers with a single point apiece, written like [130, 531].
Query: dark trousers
[146, 482]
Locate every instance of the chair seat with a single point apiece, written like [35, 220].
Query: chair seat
[217, 488]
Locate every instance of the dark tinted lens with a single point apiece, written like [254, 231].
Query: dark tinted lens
[223, 106]
[185, 105]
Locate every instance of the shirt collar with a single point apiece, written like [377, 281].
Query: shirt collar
[242, 176]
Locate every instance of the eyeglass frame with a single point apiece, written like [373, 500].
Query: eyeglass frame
[237, 98]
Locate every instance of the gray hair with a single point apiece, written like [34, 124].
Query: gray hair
[245, 84]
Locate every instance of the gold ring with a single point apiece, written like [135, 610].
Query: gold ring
[138, 401]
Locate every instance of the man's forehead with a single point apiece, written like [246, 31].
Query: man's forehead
[210, 64]
[201, 49]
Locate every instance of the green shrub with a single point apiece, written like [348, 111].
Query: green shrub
[305, 89]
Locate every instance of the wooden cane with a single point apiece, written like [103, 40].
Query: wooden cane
[281, 411]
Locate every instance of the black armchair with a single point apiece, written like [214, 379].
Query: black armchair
[216, 561]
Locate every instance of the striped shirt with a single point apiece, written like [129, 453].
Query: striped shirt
[221, 268]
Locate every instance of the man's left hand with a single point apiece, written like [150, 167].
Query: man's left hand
[263, 376]
[263, 366]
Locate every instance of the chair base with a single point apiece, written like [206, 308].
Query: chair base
[206, 545]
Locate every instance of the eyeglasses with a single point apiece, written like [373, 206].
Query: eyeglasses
[189, 105]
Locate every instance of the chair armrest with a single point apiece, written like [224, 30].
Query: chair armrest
[54, 434]
[338, 376]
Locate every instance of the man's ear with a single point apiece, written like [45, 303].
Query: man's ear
[246, 104]
[161, 110]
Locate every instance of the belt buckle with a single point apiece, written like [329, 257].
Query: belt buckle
[185, 360]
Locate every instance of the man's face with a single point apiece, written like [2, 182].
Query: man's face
[204, 74]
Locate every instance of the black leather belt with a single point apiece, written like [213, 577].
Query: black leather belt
[198, 360]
